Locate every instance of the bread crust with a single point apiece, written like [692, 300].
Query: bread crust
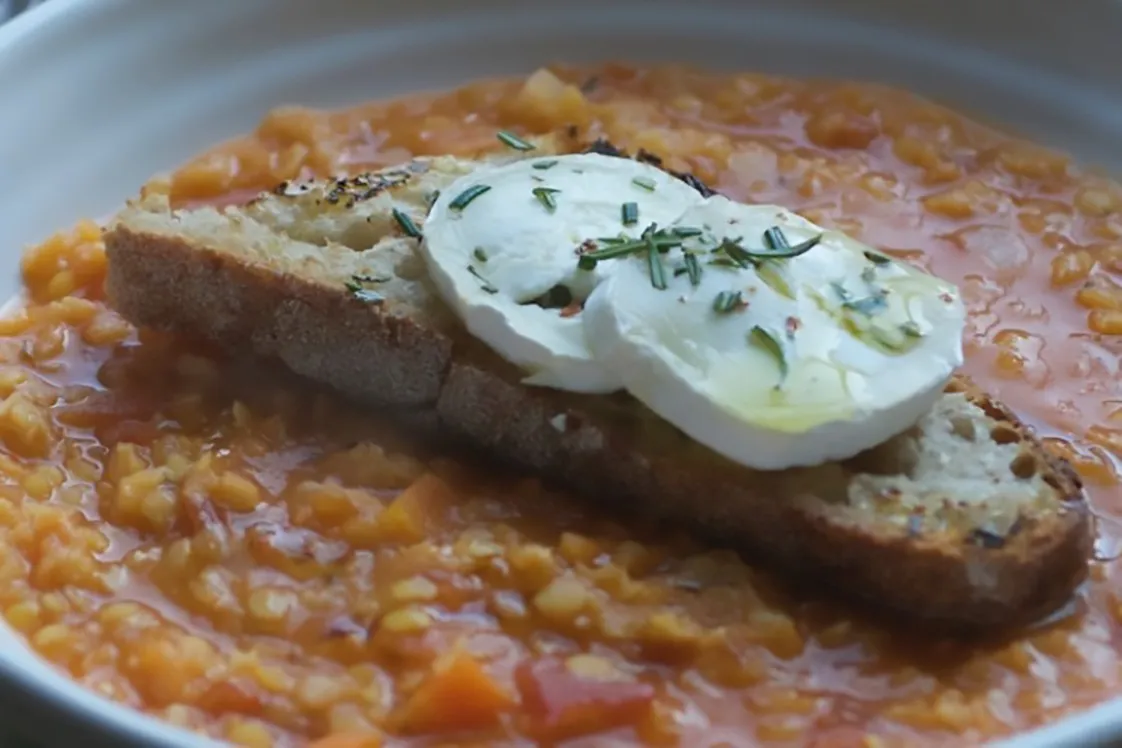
[409, 352]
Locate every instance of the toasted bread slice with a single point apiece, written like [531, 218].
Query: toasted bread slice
[964, 521]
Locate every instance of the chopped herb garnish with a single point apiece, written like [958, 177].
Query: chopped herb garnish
[623, 247]
[545, 196]
[486, 284]
[685, 232]
[911, 329]
[630, 213]
[543, 165]
[869, 305]
[646, 183]
[371, 278]
[693, 267]
[464, 198]
[770, 343]
[406, 224]
[842, 294]
[877, 258]
[360, 292]
[514, 141]
[654, 264]
[433, 197]
[587, 262]
[728, 301]
[480, 254]
[662, 241]
[740, 256]
[365, 294]
[775, 239]
[869, 273]
[781, 249]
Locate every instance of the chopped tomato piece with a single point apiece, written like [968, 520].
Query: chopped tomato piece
[581, 695]
[458, 695]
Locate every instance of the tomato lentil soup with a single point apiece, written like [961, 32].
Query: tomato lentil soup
[241, 554]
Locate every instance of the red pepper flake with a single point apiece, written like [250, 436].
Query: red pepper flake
[572, 310]
[588, 245]
[946, 297]
[793, 325]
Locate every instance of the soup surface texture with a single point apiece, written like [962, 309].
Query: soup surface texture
[238, 553]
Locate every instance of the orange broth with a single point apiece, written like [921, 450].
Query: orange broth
[240, 553]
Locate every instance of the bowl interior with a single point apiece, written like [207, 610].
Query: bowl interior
[142, 86]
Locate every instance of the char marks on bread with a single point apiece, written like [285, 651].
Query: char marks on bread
[963, 521]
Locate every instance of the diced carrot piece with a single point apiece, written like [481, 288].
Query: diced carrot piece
[347, 740]
[457, 695]
[565, 700]
[405, 520]
[226, 697]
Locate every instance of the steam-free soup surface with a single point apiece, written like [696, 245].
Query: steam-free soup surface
[241, 554]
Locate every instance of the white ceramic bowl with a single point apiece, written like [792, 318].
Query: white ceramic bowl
[96, 95]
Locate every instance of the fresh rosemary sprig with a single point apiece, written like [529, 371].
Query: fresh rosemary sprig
[513, 141]
[406, 223]
[547, 197]
[464, 199]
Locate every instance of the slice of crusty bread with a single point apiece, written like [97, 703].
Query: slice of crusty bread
[964, 521]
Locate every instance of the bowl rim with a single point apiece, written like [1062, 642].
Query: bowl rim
[58, 703]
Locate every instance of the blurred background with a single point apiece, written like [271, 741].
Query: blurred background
[9, 8]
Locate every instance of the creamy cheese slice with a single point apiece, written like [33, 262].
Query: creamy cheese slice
[501, 245]
[775, 348]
